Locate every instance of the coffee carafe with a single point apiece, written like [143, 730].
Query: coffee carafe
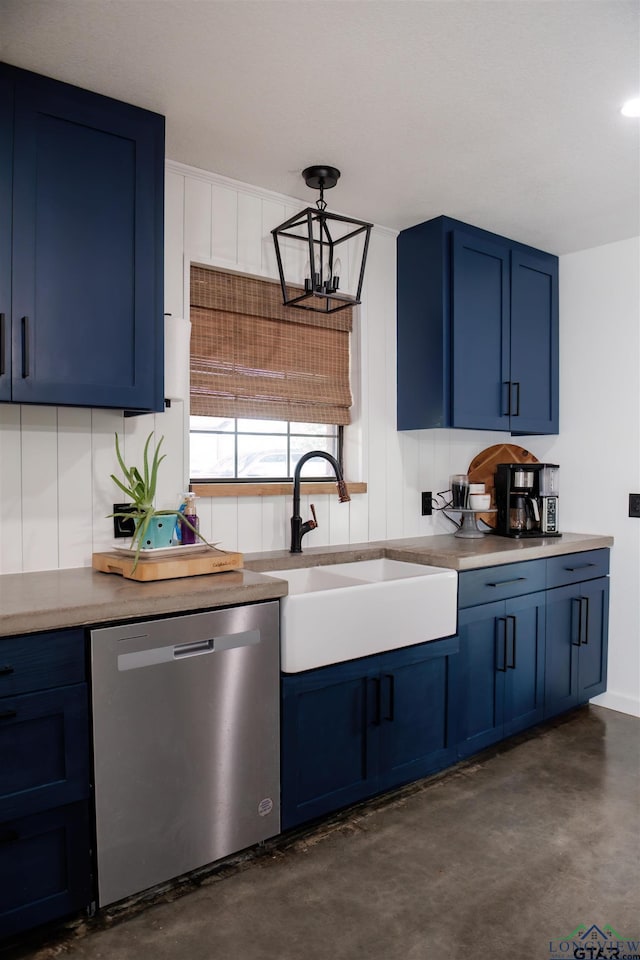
[527, 499]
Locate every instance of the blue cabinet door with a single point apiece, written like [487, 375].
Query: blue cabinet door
[524, 677]
[87, 324]
[577, 644]
[483, 656]
[592, 663]
[534, 343]
[44, 745]
[45, 867]
[418, 694]
[480, 345]
[6, 178]
[502, 670]
[329, 760]
[562, 649]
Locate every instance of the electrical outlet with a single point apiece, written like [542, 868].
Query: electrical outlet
[123, 526]
[634, 504]
[427, 509]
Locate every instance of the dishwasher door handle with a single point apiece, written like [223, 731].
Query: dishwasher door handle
[171, 652]
[192, 649]
[228, 641]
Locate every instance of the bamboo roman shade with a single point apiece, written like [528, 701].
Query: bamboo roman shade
[253, 357]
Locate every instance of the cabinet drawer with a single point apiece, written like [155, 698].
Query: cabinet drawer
[44, 750]
[500, 583]
[45, 867]
[38, 661]
[575, 567]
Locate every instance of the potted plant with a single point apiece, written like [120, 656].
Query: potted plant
[152, 527]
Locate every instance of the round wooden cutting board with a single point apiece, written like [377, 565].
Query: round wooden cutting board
[483, 467]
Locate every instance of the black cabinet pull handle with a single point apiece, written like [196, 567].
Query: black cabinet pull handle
[501, 647]
[516, 384]
[9, 836]
[511, 665]
[391, 691]
[6, 670]
[577, 643]
[378, 705]
[25, 348]
[8, 714]
[585, 620]
[502, 583]
[2, 344]
[581, 566]
[507, 384]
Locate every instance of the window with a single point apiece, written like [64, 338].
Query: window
[268, 382]
[241, 449]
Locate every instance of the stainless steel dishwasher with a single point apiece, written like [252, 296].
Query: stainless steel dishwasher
[186, 743]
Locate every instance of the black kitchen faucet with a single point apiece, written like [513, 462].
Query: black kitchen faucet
[298, 528]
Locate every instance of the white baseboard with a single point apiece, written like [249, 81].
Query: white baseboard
[619, 702]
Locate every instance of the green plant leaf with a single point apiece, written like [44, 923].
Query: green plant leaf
[124, 489]
[145, 459]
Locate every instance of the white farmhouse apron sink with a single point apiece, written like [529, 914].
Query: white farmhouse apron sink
[348, 610]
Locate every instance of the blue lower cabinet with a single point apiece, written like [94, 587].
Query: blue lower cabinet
[356, 728]
[44, 743]
[502, 647]
[418, 708]
[45, 868]
[45, 833]
[577, 642]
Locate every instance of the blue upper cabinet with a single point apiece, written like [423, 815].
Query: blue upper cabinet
[477, 331]
[86, 312]
[480, 335]
[6, 178]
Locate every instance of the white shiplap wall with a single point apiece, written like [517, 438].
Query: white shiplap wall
[219, 222]
[55, 463]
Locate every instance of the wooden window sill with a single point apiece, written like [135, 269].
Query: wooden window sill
[270, 489]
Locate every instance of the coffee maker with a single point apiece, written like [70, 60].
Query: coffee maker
[527, 499]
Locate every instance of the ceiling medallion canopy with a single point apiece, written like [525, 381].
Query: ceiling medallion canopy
[321, 256]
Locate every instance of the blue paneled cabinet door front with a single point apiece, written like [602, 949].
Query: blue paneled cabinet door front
[534, 379]
[577, 643]
[87, 267]
[417, 718]
[6, 177]
[327, 759]
[480, 333]
[502, 670]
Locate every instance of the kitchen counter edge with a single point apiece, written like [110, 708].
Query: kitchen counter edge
[78, 597]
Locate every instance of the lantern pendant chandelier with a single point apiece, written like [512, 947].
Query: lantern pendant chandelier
[324, 237]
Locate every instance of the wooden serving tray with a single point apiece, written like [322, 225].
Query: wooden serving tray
[167, 568]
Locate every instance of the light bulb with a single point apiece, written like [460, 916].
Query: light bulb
[337, 270]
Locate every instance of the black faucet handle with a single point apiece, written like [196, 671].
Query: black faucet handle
[312, 523]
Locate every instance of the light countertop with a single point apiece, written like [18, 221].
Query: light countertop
[53, 599]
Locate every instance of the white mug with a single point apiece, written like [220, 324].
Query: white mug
[480, 501]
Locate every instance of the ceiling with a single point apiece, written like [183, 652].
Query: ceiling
[502, 113]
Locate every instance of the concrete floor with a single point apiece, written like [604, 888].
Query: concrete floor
[491, 860]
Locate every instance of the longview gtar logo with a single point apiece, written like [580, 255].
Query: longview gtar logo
[595, 943]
